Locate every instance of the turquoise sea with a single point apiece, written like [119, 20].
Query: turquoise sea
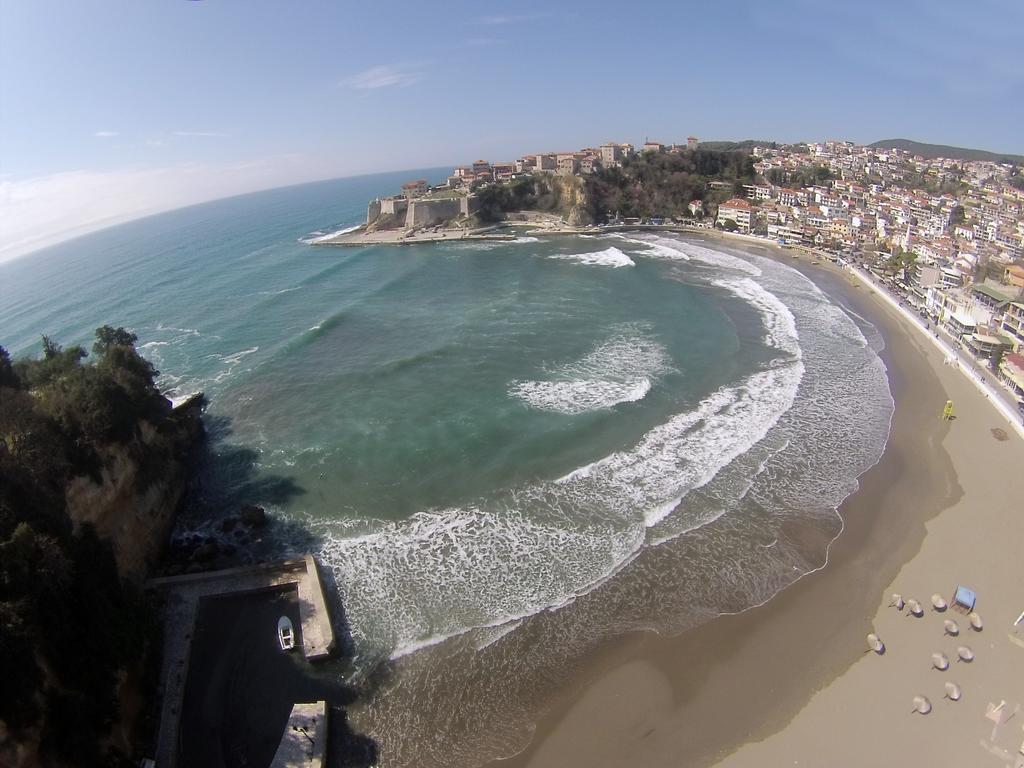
[499, 450]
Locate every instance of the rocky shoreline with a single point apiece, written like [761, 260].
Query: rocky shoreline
[195, 552]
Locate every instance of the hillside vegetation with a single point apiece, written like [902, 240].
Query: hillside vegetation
[664, 183]
[648, 184]
[71, 624]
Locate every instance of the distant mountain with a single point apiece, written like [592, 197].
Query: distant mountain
[932, 151]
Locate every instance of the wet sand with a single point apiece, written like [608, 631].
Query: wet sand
[788, 682]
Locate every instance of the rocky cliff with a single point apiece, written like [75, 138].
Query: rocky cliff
[134, 500]
[571, 200]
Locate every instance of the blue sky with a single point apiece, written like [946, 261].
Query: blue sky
[111, 109]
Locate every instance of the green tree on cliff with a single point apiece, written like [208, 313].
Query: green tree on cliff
[664, 184]
[68, 624]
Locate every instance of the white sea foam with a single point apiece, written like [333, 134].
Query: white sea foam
[319, 237]
[442, 572]
[672, 249]
[619, 371]
[279, 291]
[574, 397]
[779, 324]
[526, 239]
[232, 359]
[231, 363]
[493, 635]
[610, 257]
[659, 512]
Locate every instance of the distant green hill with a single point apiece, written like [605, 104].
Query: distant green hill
[932, 151]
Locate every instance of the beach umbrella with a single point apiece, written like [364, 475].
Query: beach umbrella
[915, 608]
[938, 603]
[875, 644]
[897, 600]
[965, 653]
[952, 691]
[940, 661]
[922, 705]
[975, 620]
[952, 628]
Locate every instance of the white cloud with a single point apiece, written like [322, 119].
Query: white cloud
[44, 210]
[106, 134]
[384, 76]
[214, 134]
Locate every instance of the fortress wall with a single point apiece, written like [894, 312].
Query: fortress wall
[423, 213]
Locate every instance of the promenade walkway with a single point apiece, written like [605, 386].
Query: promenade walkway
[982, 378]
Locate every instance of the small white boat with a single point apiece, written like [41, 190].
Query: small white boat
[285, 633]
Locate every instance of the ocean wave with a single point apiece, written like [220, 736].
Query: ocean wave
[323, 326]
[237, 356]
[779, 324]
[672, 249]
[278, 292]
[574, 397]
[610, 257]
[319, 237]
[620, 370]
[534, 548]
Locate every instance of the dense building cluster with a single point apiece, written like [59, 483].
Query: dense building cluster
[583, 161]
[946, 235]
[852, 197]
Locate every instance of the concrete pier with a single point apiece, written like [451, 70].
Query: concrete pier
[183, 595]
[303, 742]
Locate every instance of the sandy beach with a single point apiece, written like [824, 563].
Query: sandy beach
[789, 682]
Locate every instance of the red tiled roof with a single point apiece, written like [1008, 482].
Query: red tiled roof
[1015, 360]
[735, 203]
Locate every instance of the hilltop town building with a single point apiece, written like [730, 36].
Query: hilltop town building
[416, 188]
[611, 154]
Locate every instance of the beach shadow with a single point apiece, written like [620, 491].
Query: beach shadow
[228, 472]
[345, 747]
[226, 479]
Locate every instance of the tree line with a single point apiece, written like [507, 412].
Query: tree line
[69, 625]
[665, 183]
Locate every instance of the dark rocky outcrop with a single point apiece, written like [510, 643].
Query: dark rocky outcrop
[134, 501]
